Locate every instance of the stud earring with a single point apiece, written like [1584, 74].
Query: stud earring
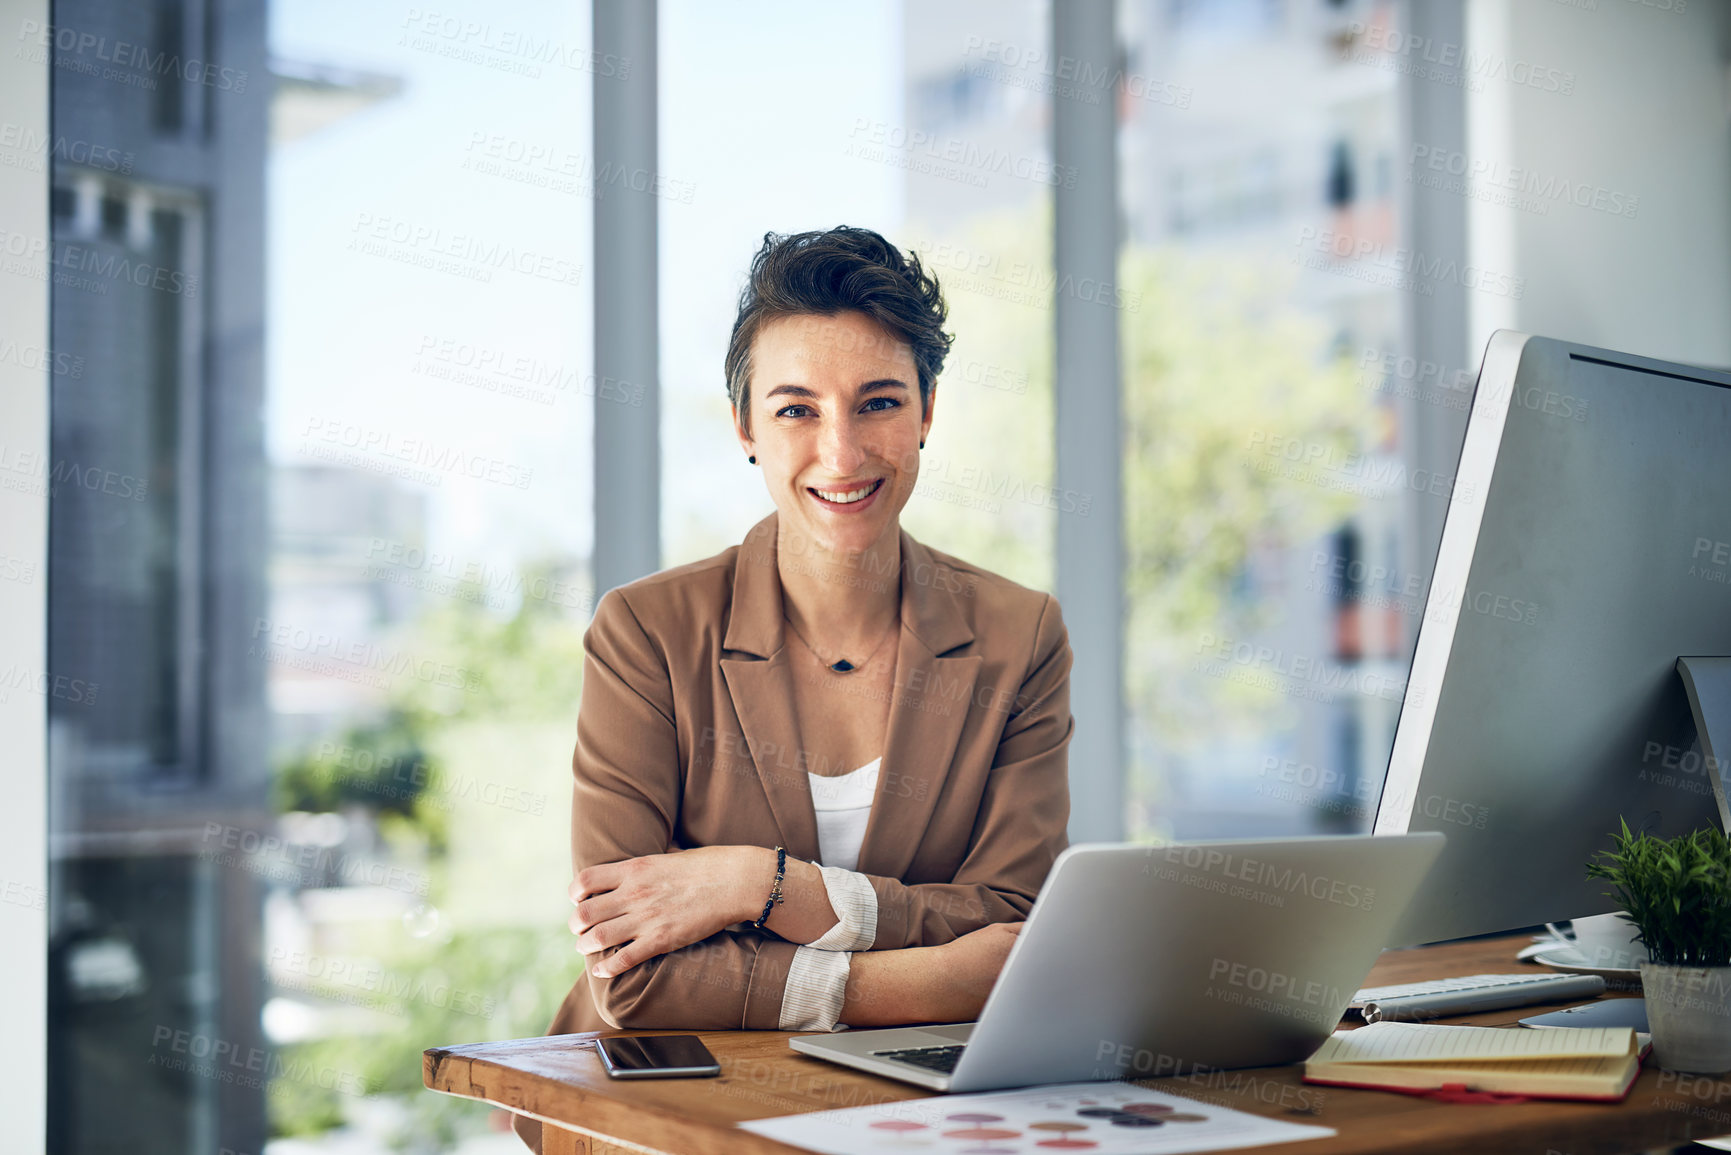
[922, 445]
[752, 459]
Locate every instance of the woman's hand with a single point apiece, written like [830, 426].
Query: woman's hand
[927, 984]
[965, 970]
[662, 902]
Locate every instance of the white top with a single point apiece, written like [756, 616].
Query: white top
[843, 803]
[817, 979]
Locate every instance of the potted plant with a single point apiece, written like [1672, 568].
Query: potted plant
[1677, 892]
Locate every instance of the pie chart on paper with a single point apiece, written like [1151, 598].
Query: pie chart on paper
[1096, 1118]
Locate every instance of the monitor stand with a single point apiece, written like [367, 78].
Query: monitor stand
[1708, 684]
[1707, 681]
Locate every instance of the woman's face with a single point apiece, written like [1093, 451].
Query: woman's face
[836, 426]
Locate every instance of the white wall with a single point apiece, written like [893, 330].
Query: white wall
[23, 603]
[1645, 116]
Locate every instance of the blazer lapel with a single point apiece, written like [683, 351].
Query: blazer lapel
[762, 689]
[928, 708]
[763, 698]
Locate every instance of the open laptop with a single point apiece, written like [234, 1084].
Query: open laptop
[1138, 962]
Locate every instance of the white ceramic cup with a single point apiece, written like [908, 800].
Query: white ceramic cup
[1606, 940]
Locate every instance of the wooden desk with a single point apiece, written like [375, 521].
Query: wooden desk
[560, 1081]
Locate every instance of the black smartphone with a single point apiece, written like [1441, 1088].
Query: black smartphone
[656, 1056]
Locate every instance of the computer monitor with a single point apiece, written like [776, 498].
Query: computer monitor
[1587, 548]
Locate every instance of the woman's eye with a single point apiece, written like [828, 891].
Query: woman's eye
[790, 411]
[888, 403]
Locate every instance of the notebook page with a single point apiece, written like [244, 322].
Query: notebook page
[1585, 1068]
[1428, 1043]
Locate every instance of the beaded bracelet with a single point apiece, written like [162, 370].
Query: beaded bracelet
[774, 891]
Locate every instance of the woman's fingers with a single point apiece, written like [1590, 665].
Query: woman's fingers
[605, 934]
[594, 910]
[623, 960]
[594, 880]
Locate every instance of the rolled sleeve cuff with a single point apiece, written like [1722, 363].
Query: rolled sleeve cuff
[816, 989]
[765, 986]
[856, 907]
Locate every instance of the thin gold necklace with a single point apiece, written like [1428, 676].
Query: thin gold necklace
[841, 665]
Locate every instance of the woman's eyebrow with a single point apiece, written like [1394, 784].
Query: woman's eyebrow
[869, 386]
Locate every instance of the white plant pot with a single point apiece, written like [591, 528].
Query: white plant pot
[1689, 1015]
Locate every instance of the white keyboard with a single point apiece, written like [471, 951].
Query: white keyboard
[1470, 994]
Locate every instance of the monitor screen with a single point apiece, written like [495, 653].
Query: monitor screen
[1582, 555]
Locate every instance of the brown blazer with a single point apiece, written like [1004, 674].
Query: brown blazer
[686, 737]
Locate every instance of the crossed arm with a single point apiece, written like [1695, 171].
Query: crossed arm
[659, 903]
[654, 924]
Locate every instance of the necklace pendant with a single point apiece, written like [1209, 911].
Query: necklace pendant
[843, 667]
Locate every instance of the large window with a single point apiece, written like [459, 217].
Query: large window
[1267, 612]
[320, 533]
[320, 469]
[919, 134]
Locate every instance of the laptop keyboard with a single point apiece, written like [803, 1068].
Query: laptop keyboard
[940, 1059]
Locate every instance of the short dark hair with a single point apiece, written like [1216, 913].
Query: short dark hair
[825, 273]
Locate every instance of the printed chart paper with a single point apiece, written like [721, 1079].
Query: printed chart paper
[1096, 1118]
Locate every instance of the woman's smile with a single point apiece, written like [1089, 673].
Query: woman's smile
[847, 499]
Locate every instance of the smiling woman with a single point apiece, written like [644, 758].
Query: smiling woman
[821, 776]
